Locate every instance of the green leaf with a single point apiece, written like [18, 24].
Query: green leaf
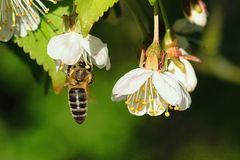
[35, 44]
[183, 26]
[152, 2]
[182, 42]
[58, 81]
[90, 11]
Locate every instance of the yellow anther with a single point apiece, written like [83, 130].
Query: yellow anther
[143, 102]
[47, 10]
[167, 114]
[161, 108]
[136, 110]
[151, 111]
[176, 108]
[139, 108]
[127, 102]
[131, 108]
[155, 112]
[136, 100]
[170, 107]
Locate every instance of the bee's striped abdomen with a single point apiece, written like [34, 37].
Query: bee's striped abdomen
[78, 103]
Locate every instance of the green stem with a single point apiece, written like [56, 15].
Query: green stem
[74, 8]
[156, 23]
[164, 16]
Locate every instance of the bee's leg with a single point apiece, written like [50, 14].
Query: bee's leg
[142, 59]
[68, 83]
[91, 79]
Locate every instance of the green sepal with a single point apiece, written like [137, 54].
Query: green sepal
[179, 64]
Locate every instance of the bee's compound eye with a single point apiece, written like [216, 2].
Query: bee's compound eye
[82, 64]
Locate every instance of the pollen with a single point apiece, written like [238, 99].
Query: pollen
[131, 108]
[139, 108]
[144, 102]
[127, 102]
[167, 114]
[176, 108]
[161, 108]
[136, 100]
[170, 107]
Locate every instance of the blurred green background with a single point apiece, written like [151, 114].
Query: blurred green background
[36, 124]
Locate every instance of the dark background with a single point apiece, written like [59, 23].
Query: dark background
[36, 124]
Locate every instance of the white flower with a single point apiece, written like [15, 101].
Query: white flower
[71, 47]
[19, 16]
[198, 17]
[188, 77]
[151, 92]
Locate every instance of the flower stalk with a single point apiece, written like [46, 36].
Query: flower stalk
[164, 16]
[156, 23]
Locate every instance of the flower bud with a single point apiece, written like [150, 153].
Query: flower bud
[196, 12]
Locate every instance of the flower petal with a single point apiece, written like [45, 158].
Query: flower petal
[130, 82]
[6, 22]
[6, 33]
[198, 18]
[137, 112]
[168, 88]
[61, 67]
[158, 107]
[93, 45]
[186, 101]
[32, 19]
[191, 79]
[187, 78]
[183, 51]
[118, 98]
[66, 47]
[102, 59]
[20, 29]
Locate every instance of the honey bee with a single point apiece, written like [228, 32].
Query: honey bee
[79, 77]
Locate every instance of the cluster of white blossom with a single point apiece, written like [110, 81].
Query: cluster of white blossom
[17, 17]
[164, 77]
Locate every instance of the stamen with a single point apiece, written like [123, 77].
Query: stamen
[139, 108]
[145, 93]
[167, 114]
[176, 108]
[136, 100]
[151, 96]
[131, 108]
